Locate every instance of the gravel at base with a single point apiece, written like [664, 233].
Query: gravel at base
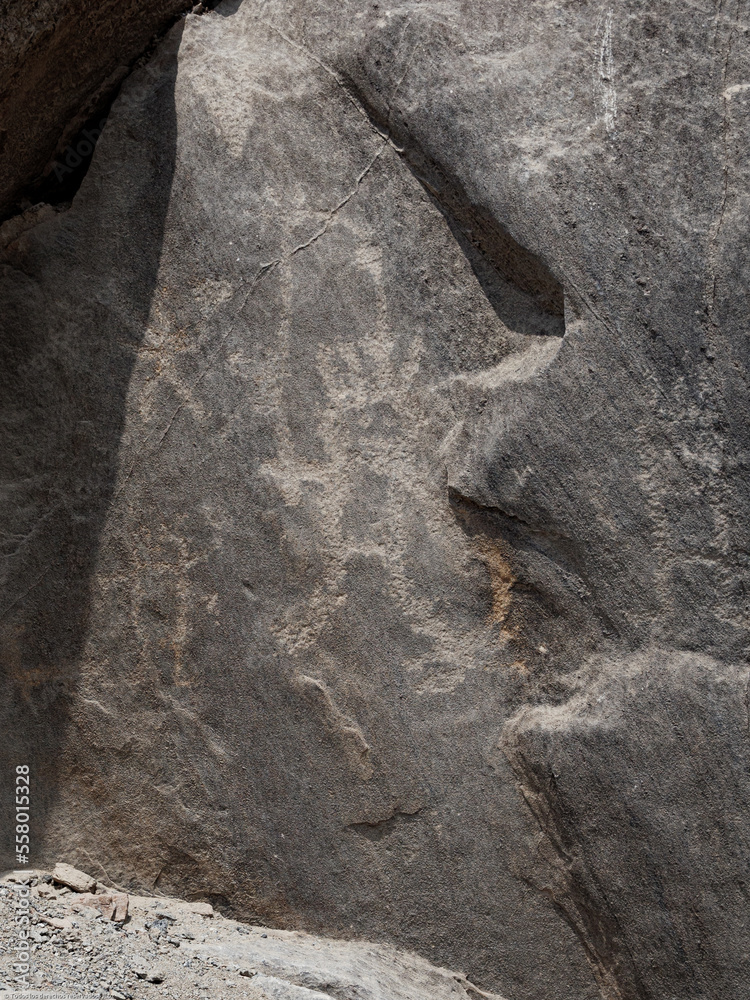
[94, 957]
[171, 949]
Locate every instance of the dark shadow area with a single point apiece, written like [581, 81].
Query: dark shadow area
[224, 8]
[66, 173]
[62, 176]
[75, 294]
[524, 293]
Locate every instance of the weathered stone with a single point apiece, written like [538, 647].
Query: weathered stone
[640, 784]
[73, 878]
[151, 975]
[324, 968]
[376, 496]
[348, 970]
[111, 906]
[61, 61]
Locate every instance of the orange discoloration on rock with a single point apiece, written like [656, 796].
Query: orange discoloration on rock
[502, 580]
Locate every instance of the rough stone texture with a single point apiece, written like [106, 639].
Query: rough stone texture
[60, 63]
[112, 906]
[342, 589]
[640, 786]
[73, 878]
[167, 950]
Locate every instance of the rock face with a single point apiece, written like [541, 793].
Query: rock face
[640, 787]
[376, 487]
[60, 64]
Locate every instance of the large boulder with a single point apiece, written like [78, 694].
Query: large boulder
[640, 787]
[61, 62]
[388, 369]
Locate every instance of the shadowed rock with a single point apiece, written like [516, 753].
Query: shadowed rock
[414, 363]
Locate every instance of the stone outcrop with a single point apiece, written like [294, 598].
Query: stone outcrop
[61, 62]
[375, 486]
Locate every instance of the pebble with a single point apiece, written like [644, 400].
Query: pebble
[78, 951]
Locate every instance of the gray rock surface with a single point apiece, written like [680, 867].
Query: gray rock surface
[342, 588]
[640, 787]
[61, 62]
